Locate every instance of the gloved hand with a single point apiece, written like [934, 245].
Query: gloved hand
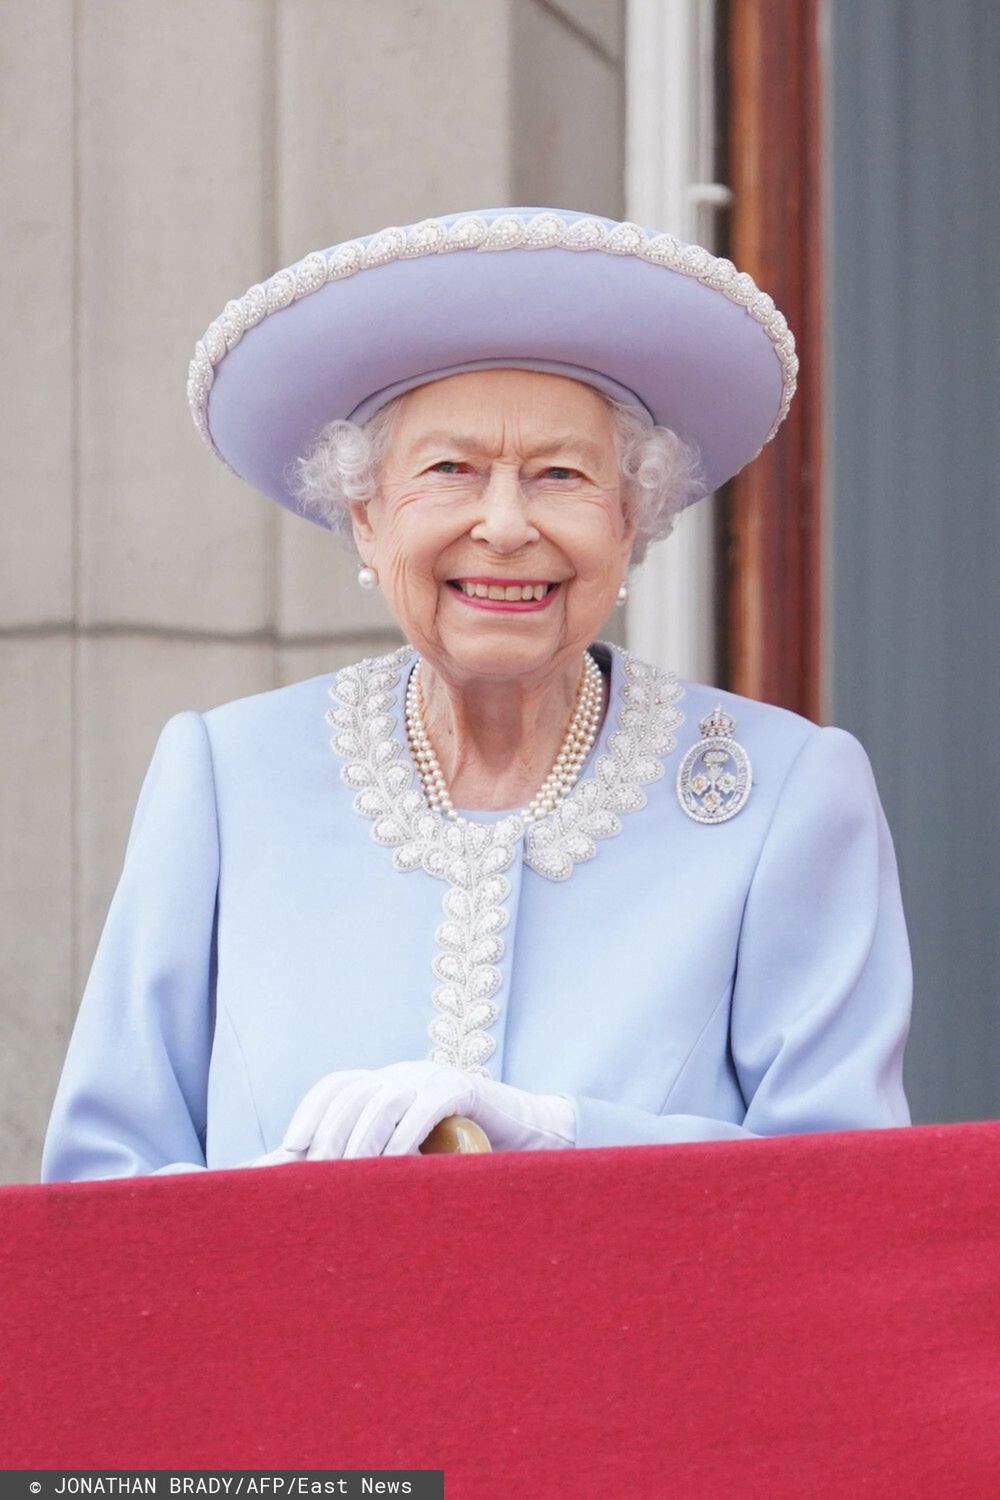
[277, 1158]
[390, 1111]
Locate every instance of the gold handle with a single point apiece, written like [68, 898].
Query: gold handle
[456, 1133]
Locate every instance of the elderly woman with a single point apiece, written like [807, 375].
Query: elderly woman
[507, 871]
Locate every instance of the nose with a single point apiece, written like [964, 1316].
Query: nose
[505, 523]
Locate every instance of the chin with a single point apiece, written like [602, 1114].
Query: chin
[498, 652]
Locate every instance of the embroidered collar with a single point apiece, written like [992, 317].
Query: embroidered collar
[387, 791]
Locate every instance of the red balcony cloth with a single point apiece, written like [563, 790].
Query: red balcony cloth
[810, 1316]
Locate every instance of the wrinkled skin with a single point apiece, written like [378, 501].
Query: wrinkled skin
[510, 475]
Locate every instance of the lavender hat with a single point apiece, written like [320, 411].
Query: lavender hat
[641, 316]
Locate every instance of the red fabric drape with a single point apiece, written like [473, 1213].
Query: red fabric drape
[806, 1316]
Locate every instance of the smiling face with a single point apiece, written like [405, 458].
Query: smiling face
[498, 532]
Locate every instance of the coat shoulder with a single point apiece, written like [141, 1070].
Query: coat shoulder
[772, 737]
[281, 715]
[700, 698]
[274, 706]
[775, 739]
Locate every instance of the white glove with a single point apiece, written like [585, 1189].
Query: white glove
[390, 1111]
[277, 1158]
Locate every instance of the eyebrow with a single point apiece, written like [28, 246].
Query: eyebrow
[572, 443]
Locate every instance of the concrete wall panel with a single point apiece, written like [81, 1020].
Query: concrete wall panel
[173, 111]
[601, 22]
[567, 105]
[36, 889]
[317, 587]
[387, 113]
[296, 663]
[37, 313]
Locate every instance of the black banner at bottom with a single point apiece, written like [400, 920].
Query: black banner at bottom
[223, 1484]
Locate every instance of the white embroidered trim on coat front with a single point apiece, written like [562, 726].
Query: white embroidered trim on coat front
[543, 231]
[645, 732]
[471, 856]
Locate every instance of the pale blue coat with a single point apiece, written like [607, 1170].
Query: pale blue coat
[680, 981]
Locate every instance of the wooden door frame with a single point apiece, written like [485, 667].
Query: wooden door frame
[770, 553]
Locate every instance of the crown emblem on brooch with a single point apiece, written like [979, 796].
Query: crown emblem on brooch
[717, 725]
[715, 776]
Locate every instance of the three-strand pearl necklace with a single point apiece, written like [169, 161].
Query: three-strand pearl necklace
[575, 748]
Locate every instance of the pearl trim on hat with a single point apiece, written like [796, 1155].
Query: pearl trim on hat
[542, 231]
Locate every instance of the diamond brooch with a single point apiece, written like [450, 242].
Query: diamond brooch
[715, 776]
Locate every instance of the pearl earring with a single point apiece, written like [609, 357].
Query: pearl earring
[367, 578]
[622, 594]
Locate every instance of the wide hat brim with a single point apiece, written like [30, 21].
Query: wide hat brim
[640, 315]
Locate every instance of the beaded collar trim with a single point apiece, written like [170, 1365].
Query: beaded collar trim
[542, 231]
[471, 856]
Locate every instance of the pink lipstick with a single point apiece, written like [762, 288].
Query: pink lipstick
[506, 606]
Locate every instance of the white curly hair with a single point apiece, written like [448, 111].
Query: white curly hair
[661, 474]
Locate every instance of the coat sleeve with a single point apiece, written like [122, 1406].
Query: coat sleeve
[822, 993]
[132, 1097]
